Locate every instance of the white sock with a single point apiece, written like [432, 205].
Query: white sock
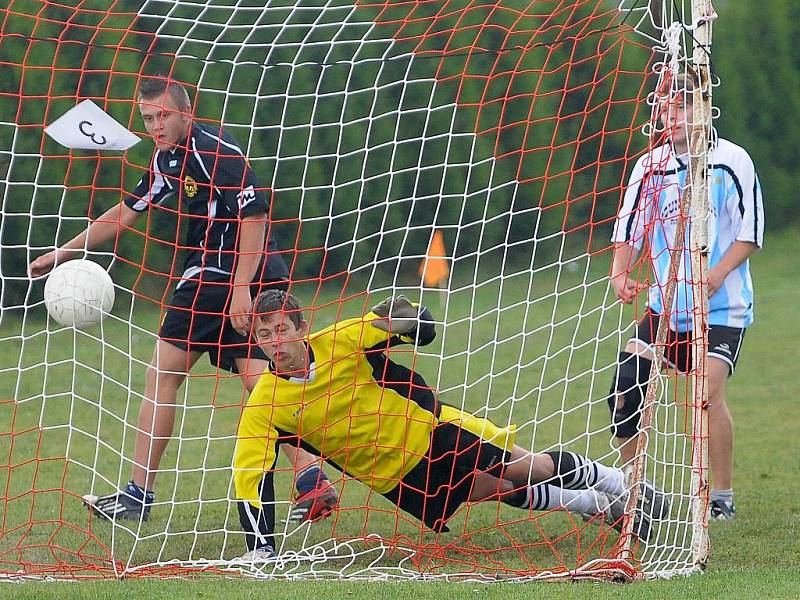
[610, 480]
[548, 497]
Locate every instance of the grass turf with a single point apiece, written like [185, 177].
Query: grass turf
[753, 556]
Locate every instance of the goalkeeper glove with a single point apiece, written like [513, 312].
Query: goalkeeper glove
[397, 315]
[316, 497]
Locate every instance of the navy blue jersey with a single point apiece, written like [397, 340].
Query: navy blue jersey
[207, 181]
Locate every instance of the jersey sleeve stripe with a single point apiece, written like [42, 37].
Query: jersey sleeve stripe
[755, 212]
[233, 147]
[736, 183]
[156, 188]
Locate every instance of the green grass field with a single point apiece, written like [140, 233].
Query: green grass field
[755, 556]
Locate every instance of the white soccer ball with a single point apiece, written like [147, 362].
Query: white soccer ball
[79, 293]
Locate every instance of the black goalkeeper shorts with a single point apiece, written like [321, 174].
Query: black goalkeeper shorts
[196, 321]
[442, 481]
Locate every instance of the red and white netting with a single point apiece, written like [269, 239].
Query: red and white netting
[509, 126]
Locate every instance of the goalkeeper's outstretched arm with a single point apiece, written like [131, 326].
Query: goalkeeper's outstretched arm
[99, 231]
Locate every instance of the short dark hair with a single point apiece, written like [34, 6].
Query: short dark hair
[150, 87]
[273, 301]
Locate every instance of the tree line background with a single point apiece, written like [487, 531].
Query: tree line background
[523, 142]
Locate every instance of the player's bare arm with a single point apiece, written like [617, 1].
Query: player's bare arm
[626, 288]
[733, 257]
[104, 228]
[251, 247]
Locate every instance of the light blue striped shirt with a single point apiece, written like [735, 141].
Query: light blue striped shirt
[650, 212]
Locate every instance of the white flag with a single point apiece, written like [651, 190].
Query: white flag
[87, 127]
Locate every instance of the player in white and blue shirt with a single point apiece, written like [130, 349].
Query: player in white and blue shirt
[649, 217]
[650, 212]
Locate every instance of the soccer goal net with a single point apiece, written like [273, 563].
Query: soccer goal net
[472, 156]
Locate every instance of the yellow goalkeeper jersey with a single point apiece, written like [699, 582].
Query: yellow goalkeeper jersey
[367, 415]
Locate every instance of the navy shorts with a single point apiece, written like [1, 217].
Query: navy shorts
[196, 321]
[724, 343]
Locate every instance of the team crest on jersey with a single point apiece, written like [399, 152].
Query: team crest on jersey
[190, 186]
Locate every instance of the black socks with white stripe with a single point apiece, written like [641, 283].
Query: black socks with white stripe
[544, 496]
[577, 485]
[575, 472]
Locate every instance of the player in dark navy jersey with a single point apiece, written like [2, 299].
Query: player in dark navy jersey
[212, 208]
[202, 173]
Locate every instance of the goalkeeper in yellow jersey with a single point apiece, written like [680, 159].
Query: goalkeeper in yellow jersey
[338, 394]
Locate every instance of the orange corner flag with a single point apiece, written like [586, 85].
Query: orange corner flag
[435, 268]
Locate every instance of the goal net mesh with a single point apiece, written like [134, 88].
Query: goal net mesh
[506, 130]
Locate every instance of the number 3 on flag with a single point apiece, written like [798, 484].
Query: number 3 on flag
[87, 127]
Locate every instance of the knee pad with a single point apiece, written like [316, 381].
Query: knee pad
[627, 393]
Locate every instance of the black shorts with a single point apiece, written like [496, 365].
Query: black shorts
[196, 321]
[724, 343]
[442, 481]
